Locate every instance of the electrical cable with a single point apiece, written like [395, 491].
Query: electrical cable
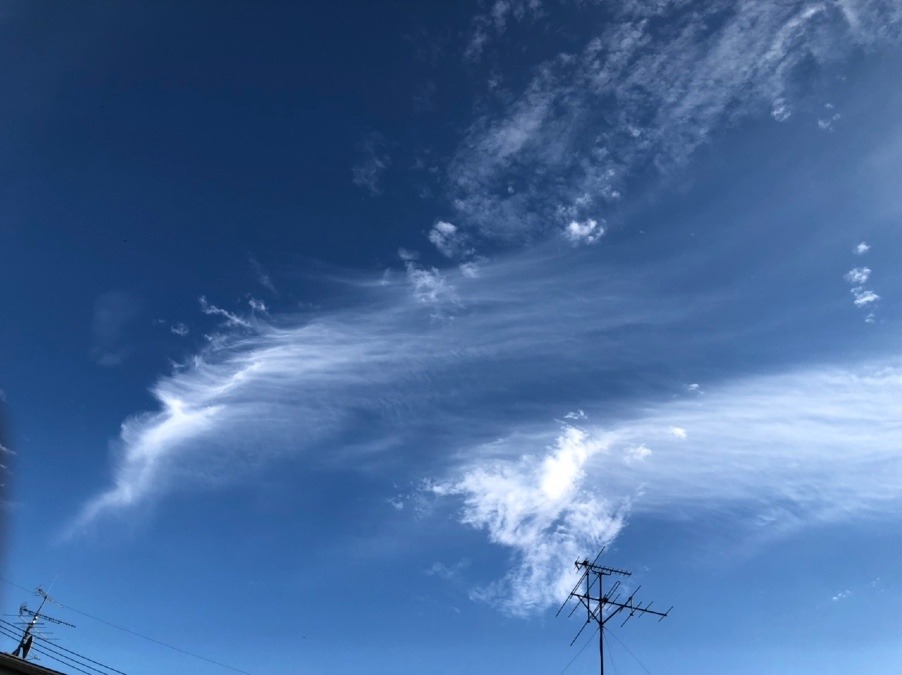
[46, 644]
[609, 651]
[38, 650]
[150, 639]
[68, 664]
[581, 650]
[630, 653]
[135, 633]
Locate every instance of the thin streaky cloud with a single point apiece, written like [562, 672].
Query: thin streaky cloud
[778, 452]
[263, 277]
[374, 161]
[231, 318]
[554, 152]
[271, 375]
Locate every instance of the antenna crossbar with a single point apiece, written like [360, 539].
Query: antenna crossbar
[601, 607]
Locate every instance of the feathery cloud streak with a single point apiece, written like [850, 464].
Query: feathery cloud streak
[639, 96]
[814, 445]
[413, 338]
[413, 352]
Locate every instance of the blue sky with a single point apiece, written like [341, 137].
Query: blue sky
[334, 335]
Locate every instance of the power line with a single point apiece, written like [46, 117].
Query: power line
[611, 657]
[68, 663]
[636, 658]
[57, 648]
[135, 633]
[581, 650]
[159, 642]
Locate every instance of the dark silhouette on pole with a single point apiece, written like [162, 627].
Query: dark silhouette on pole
[603, 606]
[36, 616]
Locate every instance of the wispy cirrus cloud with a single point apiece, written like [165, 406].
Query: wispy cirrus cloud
[636, 96]
[231, 318]
[374, 160]
[529, 333]
[412, 337]
[263, 277]
[493, 20]
[778, 452]
[450, 241]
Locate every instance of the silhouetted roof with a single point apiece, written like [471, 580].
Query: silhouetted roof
[13, 664]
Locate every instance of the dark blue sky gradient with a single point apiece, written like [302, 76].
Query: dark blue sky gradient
[319, 497]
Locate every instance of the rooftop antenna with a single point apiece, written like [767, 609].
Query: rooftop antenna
[28, 635]
[601, 607]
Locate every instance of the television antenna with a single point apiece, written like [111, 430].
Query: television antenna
[37, 616]
[602, 606]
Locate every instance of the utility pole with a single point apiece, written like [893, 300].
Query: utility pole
[603, 606]
[27, 636]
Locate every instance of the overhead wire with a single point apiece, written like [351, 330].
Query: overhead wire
[39, 650]
[581, 650]
[609, 651]
[135, 633]
[46, 644]
[636, 658]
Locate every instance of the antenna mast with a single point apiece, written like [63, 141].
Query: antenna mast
[603, 606]
[27, 636]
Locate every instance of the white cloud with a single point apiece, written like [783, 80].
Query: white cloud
[449, 240]
[586, 232]
[864, 297]
[149, 441]
[447, 572]
[677, 432]
[826, 124]
[694, 388]
[842, 595]
[634, 97]
[640, 453]
[231, 319]
[776, 452]
[290, 385]
[542, 509]
[858, 275]
[780, 110]
[257, 305]
[493, 21]
[258, 385]
[179, 329]
[429, 285]
[862, 248]
[263, 277]
[469, 269]
[367, 173]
